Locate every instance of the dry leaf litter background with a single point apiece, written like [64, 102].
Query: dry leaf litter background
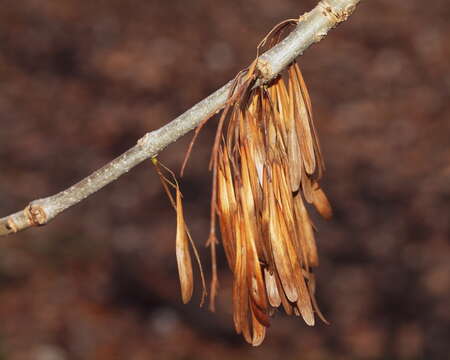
[81, 81]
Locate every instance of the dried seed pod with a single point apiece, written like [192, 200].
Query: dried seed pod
[182, 252]
[322, 204]
[183, 237]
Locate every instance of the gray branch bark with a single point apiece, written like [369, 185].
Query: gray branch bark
[312, 28]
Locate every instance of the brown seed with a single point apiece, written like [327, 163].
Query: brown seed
[182, 252]
[322, 204]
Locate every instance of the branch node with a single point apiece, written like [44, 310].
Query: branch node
[146, 139]
[143, 140]
[36, 215]
[265, 69]
[303, 17]
[320, 36]
[334, 14]
[11, 226]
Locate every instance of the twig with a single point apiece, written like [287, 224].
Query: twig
[312, 28]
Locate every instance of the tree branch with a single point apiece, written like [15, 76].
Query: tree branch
[312, 28]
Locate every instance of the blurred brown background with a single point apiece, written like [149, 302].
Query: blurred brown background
[81, 81]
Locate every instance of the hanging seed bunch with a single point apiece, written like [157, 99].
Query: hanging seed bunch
[266, 165]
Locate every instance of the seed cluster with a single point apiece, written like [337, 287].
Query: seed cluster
[266, 164]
